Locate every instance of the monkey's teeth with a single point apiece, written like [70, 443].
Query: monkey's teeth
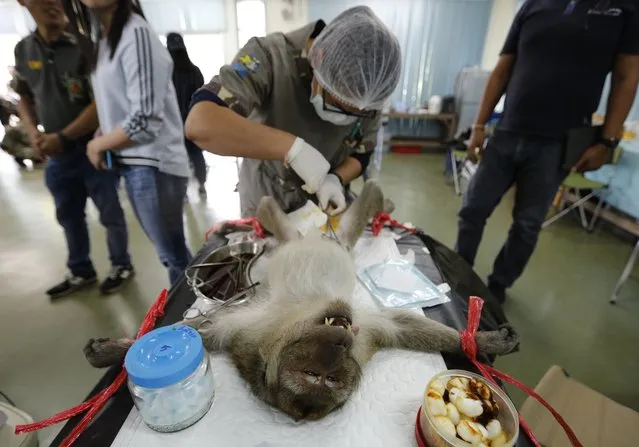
[349, 327]
[328, 321]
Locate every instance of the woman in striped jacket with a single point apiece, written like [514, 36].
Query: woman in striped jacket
[142, 130]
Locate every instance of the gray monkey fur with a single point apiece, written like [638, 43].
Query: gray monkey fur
[299, 343]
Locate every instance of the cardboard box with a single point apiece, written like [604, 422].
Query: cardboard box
[596, 420]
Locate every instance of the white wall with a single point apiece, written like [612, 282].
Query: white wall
[286, 15]
[501, 17]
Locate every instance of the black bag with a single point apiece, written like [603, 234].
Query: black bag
[577, 141]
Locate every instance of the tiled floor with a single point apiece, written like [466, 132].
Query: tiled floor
[560, 306]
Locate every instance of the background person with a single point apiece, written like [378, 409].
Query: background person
[139, 119]
[52, 81]
[187, 78]
[552, 68]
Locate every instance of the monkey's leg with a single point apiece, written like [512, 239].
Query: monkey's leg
[271, 216]
[423, 334]
[105, 352]
[365, 207]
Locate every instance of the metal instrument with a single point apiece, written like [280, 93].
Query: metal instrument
[224, 273]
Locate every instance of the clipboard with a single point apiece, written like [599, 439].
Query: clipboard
[577, 141]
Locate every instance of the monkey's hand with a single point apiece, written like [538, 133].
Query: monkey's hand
[104, 352]
[501, 342]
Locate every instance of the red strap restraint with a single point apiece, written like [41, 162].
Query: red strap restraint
[470, 349]
[95, 404]
[250, 222]
[382, 219]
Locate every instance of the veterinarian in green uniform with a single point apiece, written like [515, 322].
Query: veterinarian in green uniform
[302, 108]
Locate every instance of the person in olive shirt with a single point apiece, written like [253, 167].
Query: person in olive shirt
[55, 93]
[552, 68]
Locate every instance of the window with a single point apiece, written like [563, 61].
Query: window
[206, 51]
[7, 60]
[251, 20]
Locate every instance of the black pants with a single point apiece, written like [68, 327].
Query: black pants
[534, 165]
[196, 156]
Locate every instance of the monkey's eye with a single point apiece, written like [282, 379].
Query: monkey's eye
[333, 383]
[312, 377]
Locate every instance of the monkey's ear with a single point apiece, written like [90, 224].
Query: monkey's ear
[275, 221]
[365, 207]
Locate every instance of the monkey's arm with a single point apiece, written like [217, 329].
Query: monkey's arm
[406, 330]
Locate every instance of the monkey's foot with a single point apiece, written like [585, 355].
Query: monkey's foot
[501, 342]
[105, 352]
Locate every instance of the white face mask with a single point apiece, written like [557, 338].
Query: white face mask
[339, 119]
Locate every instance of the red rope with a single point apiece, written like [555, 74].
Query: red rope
[95, 404]
[250, 222]
[470, 349]
[382, 219]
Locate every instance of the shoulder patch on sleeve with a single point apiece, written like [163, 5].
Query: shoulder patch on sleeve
[250, 62]
[240, 69]
[34, 64]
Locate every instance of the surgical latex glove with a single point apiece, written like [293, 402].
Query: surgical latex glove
[331, 192]
[308, 163]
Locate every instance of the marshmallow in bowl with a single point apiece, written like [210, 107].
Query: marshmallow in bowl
[499, 441]
[465, 409]
[445, 426]
[470, 407]
[454, 394]
[452, 413]
[494, 429]
[438, 386]
[470, 432]
[458, 382]
[436, 404]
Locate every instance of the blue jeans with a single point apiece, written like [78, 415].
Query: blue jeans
[157, 200]
[71, 179]
[534, 165]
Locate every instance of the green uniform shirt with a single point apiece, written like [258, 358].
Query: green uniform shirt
[269, 81]
[55, 76]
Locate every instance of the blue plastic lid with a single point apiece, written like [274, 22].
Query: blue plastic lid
[164, 356]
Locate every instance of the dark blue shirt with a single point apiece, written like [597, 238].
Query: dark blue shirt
[564, 50]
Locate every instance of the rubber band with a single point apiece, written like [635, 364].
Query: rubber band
[251, 222]
[382, 219]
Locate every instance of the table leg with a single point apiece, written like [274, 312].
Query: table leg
[455, 173]
[626, 273]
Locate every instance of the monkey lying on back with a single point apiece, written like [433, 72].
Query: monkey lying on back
[300, 344]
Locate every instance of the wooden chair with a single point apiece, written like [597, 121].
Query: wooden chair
[597, 420]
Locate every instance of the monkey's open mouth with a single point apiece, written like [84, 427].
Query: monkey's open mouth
[339, 321]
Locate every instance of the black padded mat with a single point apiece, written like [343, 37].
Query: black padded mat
[440, 265]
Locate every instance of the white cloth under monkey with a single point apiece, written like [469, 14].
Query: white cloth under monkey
[381, 412]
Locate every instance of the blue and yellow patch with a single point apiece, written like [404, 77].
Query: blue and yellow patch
[246, 63]
[240, 69]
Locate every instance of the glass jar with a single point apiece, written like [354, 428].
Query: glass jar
[170, 378]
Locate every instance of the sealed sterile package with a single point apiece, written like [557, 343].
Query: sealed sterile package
[398, 283]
